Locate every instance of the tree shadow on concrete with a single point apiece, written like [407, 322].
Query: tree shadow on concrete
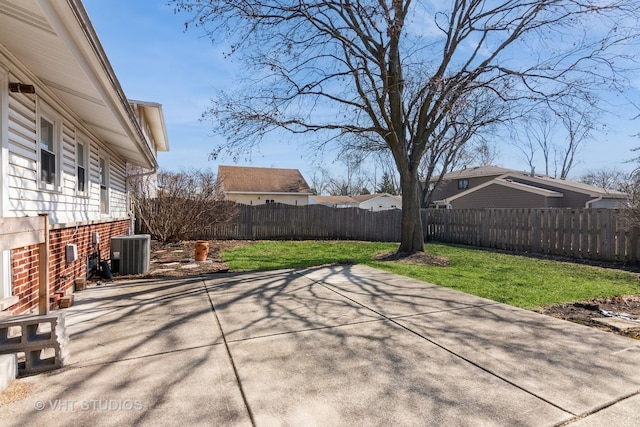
[337, 345]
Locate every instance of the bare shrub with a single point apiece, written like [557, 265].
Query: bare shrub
[171, 205]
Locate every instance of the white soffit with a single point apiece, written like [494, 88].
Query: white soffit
[55, 41]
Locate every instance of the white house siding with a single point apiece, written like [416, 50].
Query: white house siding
[63, 204]
[22, 152]
[608, 204]
[73, 216]
[382, 203]
[260, 199]
[117, 189]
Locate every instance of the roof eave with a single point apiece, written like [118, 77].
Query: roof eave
[88, 50]
[155, 117]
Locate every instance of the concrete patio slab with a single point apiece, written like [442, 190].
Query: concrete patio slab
[137, 319]
[339, 345]
[142, 353]
[375, 373]
[576, 367]
[297, 304]
[622, 414]
[187, 387]
[392, 295]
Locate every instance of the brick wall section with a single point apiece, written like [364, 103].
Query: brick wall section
[61, 274]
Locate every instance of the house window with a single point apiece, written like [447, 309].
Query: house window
[48, 150]
[463, 184]
[269, 201]
[104, 186]
[81, 169]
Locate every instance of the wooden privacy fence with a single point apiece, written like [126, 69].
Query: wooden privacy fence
[594, 234]
[279, 221]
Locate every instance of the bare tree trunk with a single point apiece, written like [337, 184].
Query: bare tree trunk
[411, 231]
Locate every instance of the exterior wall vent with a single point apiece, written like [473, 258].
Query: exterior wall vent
[131, 254]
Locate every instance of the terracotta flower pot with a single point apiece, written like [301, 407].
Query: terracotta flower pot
[202, 250]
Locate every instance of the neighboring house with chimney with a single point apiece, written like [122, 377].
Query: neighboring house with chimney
[70, 138]
[494, 187]
[258, 186]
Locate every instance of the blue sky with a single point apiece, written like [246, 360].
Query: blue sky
[156, 60]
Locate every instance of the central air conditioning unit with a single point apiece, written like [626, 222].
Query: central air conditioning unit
[131, 254]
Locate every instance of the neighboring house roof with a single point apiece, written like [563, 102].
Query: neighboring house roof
[241, 179]
[565, 184]
[353, 201]
[365, 197]
[474, 172]
[526, 182]
[65, 57]
[536, 185]
[334, 200]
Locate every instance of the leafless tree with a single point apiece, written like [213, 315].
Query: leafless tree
[341, 186]
[534, 132]
[579, 127]
[170, 206]
[319, 181]
[352, 161]
[558, 134]
[609, 179]
[459, 141]
[386, 174]
[397, 73]
[616, 180]
[632, 188]
[484, 152]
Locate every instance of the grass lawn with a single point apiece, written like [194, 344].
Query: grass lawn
[516, 280]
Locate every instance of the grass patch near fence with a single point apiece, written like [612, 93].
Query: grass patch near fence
[516, 280]
[274, 255]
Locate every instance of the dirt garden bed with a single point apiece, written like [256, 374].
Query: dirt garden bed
[619, 315]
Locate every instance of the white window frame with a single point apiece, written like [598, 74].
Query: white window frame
[48, 115]
[103, 183]
[85, 166]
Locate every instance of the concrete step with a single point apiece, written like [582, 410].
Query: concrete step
[8, 370]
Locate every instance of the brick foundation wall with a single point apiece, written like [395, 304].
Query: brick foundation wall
[24, 261]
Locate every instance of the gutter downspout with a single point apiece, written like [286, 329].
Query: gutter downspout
[588, 204]
[132, 214]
